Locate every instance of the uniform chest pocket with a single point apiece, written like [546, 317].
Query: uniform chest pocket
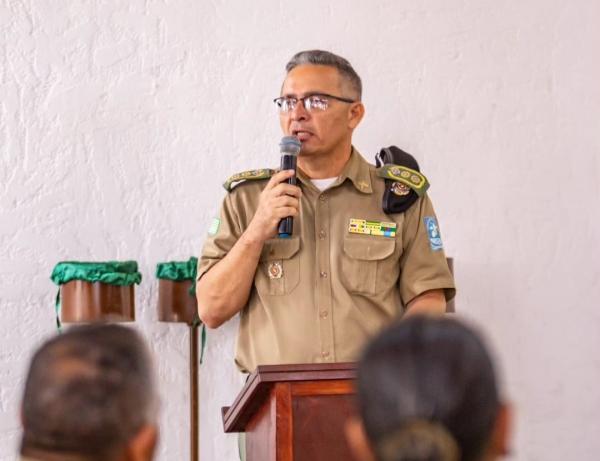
[368, 262]
[278, 271]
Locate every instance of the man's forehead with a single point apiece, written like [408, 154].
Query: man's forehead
[308, 78]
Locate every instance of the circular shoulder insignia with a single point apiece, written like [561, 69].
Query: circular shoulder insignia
[414, 178]
[395, 170]
[275, 270]
[400, 189]
[405, 174]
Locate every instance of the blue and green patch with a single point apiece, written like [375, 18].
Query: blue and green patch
[433, 232]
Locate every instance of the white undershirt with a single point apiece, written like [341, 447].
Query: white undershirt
[323, 184]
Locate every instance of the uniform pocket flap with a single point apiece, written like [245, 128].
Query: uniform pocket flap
[369, 249]
[277, 248]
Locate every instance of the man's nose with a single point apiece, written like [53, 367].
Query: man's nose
[299, 112]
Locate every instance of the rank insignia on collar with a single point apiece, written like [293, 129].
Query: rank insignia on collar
[363, 185]
[377, 228]
[275, 270]
[249, 175]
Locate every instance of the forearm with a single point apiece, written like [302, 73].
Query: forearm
[432, 302]
[224, 290]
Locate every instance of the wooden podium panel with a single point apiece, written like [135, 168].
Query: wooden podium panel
[294, 412]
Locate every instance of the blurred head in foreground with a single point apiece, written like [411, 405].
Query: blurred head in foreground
[427, 391]
[90, 396]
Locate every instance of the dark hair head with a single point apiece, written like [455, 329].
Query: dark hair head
[427, 392]
[88, 392]
[326, 58]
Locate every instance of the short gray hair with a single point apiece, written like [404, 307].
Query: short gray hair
[326, 58]
[88, 392]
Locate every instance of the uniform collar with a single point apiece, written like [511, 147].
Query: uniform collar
[358, 172]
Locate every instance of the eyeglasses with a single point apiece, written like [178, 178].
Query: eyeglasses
[312, 102]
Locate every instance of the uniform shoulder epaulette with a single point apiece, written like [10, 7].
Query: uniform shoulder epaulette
[249, 175]
[407, 179]
[404, 183]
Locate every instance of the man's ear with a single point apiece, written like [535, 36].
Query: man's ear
[357, 440]
[355, 114]
[501, 435]
[142, 446]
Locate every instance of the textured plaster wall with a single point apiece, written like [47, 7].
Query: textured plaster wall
[120, 119]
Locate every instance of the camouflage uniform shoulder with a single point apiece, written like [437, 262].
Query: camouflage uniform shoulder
[245, 176]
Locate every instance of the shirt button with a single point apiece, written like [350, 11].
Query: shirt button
[322, 234]
[325, 354]
[323, 274]
[324, 314]
[323, 198]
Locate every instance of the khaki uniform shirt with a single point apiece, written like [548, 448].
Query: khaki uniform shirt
[319, 295]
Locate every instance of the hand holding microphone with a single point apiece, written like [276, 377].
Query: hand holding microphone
[280, 199]
[290, 147]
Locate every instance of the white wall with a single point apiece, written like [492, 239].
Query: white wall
[120, 119]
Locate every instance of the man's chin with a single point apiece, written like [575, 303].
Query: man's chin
[309, 148]
[308, 152]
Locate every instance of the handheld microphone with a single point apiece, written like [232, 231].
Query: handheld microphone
[289, 148]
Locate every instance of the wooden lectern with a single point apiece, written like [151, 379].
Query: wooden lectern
[294, 412]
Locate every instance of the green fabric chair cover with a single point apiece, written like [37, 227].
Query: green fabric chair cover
[112, 272]
[121, 273]
[179, 271]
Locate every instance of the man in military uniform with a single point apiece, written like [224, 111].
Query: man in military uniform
[349, 268]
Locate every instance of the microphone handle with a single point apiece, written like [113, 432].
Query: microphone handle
[286, 225]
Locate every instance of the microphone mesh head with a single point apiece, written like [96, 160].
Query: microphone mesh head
[290, 145]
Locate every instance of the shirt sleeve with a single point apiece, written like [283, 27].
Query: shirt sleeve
[224, 231]
[423, 265]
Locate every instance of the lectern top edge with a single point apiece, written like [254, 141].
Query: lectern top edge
[259, 384]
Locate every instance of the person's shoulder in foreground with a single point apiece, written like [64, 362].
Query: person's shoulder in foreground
[427, 391]
[90, 395]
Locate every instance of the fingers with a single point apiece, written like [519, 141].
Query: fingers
[287, 189]
[286, 211]
[285, 201]
[278, 178]
[278, 200]
[278, 208]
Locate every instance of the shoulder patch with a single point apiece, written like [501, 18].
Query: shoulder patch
[407, 176]
[249, 175]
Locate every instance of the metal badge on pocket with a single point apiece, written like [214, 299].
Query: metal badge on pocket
[275, 270]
